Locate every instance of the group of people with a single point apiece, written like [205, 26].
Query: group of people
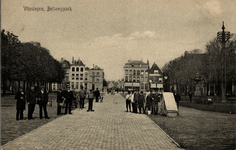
[32, 97]
[64, 98]
[151, 101]
[67, 97]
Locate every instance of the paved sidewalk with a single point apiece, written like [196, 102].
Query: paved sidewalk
[108, 127]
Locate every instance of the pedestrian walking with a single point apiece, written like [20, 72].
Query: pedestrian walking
[97, 94]
[20, 103]
[69, 98]
[90, 99]
[82, 95]
[177, 99]
[141, 100]
[190, 96]
[31, 101]
[60, 100]
[128, 101]
[42, 102]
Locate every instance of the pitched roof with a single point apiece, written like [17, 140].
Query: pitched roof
[154, 67]
[96, 68]
[79, 63]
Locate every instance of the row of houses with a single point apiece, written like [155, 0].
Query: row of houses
[77, 75]
[138, 76]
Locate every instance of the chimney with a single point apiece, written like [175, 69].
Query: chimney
[61, 59]
[72, 60]
[93, 66]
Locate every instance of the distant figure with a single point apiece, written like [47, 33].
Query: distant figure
[20, 103]
[97, 94]
[149, 101]
[42, 102]
[69, 98]
[135, 101]
[128, 101]
[177, 99]
[141, 100]
[145, 100]
[75, 100]
[155, 103]
[60, 100]
[31, 101]
[90, 99]
[82, 95]
[190, 96]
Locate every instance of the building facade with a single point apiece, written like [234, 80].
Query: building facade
[78, 75]
[155, 78]
[96, 76]
[136, 75]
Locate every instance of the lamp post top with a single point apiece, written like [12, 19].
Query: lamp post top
[223, 27]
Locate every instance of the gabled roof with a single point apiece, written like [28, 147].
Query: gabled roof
[79, 63]
[154, 67]
[96, 68]
[67, 64]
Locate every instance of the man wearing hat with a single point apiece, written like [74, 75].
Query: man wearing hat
[42, 102]
[20, 103]
[69, 98]
[31, 101]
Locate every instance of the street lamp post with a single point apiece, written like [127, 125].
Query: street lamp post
[223, 37]
[166, 86]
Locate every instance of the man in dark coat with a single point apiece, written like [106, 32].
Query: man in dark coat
[141, 100]
[31, 101]
[149, 100]
[42, 102]
[60, 100]
[97, 94]
[177, 99]
[20, 103]
[136, 98]
[155, 103]
[69, 98]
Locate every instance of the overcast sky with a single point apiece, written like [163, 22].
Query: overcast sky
[108, 33]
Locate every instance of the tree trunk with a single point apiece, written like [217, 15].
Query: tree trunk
[24, 85]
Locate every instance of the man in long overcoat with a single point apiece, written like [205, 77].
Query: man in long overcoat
[69, 98]
[20, 103]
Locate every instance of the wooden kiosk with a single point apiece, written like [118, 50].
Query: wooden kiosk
[168, 105]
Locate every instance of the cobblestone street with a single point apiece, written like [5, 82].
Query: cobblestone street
[108, 127]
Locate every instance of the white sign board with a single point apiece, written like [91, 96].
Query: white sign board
[170, 103]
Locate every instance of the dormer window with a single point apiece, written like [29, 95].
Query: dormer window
[155, 71]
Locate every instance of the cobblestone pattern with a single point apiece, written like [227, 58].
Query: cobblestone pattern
[108, 127]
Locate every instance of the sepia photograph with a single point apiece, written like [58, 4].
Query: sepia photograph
[118, 74]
